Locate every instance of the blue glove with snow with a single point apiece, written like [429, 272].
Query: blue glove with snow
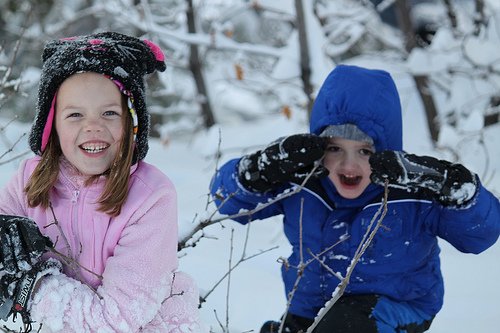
[288, 159]
[450, 184]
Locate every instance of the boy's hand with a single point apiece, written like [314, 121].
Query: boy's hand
[21, 244]
[451, 184]
[289, 159]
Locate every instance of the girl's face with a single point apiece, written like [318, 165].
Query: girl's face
[88, 121]
[347, 161]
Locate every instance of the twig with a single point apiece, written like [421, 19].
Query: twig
[231, 248]
[12, 148]
[172, 294]
[218, 320]
[204, 298]
[300, 270]
[218, 155]
[331, 271]
[15, 157]
[71, 261]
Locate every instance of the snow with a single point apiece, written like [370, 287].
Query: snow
[256, 291]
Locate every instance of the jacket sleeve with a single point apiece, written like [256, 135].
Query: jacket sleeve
[232, 198]
[140, 287]
[472, 229]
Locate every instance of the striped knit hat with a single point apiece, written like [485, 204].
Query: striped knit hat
[124, 59]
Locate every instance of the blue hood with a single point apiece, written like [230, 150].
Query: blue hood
[365, 97]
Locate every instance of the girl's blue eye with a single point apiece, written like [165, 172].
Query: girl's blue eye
[111, 113]
[74, 114]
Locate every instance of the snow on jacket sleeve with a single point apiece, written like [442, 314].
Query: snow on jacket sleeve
[472, 229]
[232, 198]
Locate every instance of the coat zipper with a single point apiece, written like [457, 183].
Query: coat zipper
[74, 224]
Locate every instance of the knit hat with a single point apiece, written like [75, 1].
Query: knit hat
[124, 59]
[346, 131]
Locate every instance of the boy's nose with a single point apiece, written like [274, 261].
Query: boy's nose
[349, 161]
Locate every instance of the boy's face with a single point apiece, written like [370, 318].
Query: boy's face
[347, 161]
[89, 121]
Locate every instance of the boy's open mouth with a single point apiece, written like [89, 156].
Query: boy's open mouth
[350, 180]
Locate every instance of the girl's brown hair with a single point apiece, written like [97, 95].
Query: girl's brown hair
[117, 176]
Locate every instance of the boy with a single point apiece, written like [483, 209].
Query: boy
[355, 146]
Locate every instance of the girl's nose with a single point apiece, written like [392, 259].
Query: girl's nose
[93, 124]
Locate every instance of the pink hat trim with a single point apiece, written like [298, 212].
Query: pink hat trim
[48, 124]
[155, 49]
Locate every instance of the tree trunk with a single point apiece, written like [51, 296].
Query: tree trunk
[305, 62]
[421, 81]
[491, 119]
[195, 67]
[479, 17]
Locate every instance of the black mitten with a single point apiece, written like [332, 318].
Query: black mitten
[451, 184]
[289, 159]
[21, 244]
[17, 289]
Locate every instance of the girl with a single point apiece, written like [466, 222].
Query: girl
[107, 215]
[353, 149]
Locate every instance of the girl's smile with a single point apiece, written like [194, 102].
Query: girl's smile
[94, 147]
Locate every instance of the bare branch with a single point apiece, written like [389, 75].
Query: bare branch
[229, 276]
[300, 270]
[232, 267]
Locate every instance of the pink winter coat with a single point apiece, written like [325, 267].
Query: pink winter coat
[125, 280]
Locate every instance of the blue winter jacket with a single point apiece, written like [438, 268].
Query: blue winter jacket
[402, 262]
